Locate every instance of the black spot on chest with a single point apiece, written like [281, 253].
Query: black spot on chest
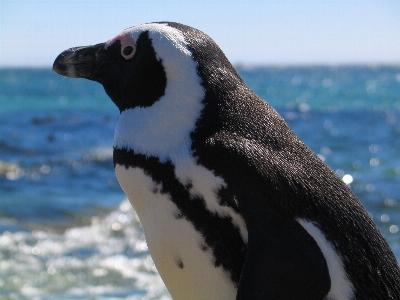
[180, 264]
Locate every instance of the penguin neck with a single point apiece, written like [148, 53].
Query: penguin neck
[165, 127]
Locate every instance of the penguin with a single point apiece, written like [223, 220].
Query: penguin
[234, 205]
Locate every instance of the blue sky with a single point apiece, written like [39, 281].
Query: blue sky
[283, 32]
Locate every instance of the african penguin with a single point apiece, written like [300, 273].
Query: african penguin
[233, 204]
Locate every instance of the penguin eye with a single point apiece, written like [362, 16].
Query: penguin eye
[127, 52]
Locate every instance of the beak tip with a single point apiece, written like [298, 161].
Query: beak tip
[57, 66]
[64, 69]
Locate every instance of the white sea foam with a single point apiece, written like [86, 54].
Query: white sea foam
[105, 260]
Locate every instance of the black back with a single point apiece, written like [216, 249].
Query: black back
[243, 139]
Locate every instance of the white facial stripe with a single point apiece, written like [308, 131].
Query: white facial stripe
[341, 287]
[166, 125]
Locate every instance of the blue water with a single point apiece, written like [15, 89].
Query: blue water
[66, 230]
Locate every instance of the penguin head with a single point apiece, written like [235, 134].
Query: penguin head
[153, 73]
[135, 66]
[162, 76]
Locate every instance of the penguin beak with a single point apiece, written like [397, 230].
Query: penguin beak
[81, 62]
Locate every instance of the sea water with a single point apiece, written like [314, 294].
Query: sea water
[66, 229]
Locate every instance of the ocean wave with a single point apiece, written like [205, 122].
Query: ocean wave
[99, 154]
[105, 260]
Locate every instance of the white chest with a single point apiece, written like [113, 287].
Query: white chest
[178, 250]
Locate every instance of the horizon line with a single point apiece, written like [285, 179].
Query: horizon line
[256, 65]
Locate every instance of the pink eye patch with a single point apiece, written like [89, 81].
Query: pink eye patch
[128, 45]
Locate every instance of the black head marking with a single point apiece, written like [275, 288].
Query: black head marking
[138, 81]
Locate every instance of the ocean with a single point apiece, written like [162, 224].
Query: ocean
[66, 229]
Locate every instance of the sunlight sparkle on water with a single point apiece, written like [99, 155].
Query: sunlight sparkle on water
[347, 179]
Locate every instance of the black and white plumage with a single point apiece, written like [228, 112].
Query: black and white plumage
[233, 204]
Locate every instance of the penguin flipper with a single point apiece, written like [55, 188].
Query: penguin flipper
[283, 261]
